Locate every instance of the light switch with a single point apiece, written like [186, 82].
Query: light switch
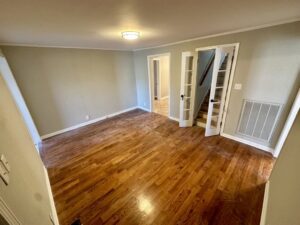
[4, 174]
[5, 163]
[237, 86]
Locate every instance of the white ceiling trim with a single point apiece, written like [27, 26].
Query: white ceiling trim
[222, 34]
[163, 45]
[62, 46]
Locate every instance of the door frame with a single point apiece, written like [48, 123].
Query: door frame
[231, 76]
[151, 80]
[158, 79]
[190, 121]
[8, 214]
[288, 125]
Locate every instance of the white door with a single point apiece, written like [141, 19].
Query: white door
[220, 77]
[187, 91]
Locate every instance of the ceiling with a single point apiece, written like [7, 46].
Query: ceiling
[98, 23]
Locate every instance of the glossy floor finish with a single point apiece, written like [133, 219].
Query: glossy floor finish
[141, 168]
[161, 106]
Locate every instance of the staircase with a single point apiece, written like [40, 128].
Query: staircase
[202, 115]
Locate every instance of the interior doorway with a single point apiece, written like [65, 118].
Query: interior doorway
[159, 83]
[206, 79]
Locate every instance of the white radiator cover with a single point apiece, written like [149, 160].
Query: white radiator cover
[258, 119]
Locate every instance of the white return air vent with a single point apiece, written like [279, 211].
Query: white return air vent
[258, 119]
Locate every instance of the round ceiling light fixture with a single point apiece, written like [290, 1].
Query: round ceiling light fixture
[130, 35]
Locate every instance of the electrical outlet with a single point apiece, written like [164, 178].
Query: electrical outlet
[237, 86]
[87, 117]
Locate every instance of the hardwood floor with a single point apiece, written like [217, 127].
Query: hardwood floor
[161, 106]
[141, 168]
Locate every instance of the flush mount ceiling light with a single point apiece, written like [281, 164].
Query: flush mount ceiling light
[130, 35]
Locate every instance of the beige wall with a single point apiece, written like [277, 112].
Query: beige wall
[268, 66]
[164, 66]
[26, 195]
[62, 86]
[284, 192]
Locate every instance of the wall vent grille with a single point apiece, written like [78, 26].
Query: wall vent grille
[258, 119]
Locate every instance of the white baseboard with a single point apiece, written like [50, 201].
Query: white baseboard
[259, 146]
[147, 110]
[173, 118]
[288, 125]
[53, 214]
[143, 108]
[265, 204]
[87, 123]
[7, 214]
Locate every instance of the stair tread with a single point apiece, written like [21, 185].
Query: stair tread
[205, 113]
[203, 120]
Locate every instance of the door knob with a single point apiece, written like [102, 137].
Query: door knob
[182, 96]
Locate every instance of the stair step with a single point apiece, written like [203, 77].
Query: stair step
[201, 122]
[205, 109]
[203, 114]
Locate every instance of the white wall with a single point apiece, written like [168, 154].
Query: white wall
[26, 195]
[62, 86]
[164, 68]
[18, 98]
[267, 66]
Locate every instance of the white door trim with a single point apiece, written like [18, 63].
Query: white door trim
[288, 125]
[150, 80]
[231, 76]
[209, 131]
[190, 121]
[265, 204]
[54, 216]
[229, 88]
[7, 214]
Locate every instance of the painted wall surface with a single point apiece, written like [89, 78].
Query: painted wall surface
[268, 66]
[284, 198]
[18, 98]
[202, 90]
[164, 66]
[26, 195]
[62, 86]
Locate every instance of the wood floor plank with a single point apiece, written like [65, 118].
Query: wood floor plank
[141, 168]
